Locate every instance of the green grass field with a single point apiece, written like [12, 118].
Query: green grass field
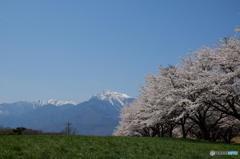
[68, 147]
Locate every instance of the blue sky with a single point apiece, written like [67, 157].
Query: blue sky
[70, 50]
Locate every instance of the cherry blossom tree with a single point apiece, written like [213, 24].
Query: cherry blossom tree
[200, 97]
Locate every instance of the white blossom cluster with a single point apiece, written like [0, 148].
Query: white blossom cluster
[198, 98]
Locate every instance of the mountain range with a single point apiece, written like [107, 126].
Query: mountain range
[97, 116]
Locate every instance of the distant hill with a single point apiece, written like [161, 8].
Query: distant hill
[97, 116]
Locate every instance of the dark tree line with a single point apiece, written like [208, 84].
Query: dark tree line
[68, 130]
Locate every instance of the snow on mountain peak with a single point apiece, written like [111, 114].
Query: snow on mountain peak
[53, 102]
[110, 96]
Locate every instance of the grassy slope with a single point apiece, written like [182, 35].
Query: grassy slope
[108, 147]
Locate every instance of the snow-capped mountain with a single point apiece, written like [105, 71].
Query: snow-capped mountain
[25, 106]
[117, 100]
[97, 116]
[111, 96]
[53, 102]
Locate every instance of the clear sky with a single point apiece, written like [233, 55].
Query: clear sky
[70, 50]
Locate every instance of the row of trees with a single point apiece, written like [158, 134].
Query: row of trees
[68, 130]
[198, 98]
[10, 131]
